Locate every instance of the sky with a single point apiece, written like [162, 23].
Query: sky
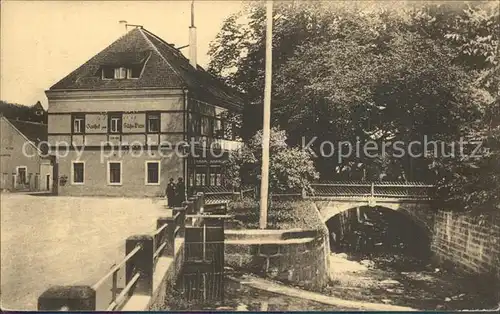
[43, 41]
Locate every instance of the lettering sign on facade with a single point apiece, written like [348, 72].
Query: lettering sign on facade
[134, 122]
[96, 123]
[114, 139]
[199, 161]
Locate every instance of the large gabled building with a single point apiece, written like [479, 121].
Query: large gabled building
[140, 94]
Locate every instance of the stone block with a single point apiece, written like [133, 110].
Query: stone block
[287, 249]
[233, 260]
[269, 249]
[276, 262]
[254, 249]
[258, 265]
[68, 298]
[231, 248]
[246, 260]
[311, 245]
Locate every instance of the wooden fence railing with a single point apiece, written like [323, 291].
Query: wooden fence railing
[142, 253]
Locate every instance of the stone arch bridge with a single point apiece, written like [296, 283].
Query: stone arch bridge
[412, 199]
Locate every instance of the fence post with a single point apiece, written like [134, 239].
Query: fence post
[189, 206]
[181, 220]
[141, 262]
[67, 298]
[224, 209]
[196, 202]
[373, 189]
[201, 199]
[168, 232]
[192, 199]
[236, 196]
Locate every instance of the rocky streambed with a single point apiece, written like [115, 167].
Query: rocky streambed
[400, 280]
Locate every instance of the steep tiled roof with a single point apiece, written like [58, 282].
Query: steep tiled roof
[35, 132]
[164, 67]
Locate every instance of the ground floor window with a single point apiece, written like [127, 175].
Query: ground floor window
[114, 172]
[215, 176]
[205, 176]
[78, 172]
[191, 178]
[153, 172]
[200, 176]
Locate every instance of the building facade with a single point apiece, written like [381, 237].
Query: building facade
[23, 166]
[137, 114]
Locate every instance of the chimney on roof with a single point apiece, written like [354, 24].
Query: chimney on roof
[192, 39]
[124, 23]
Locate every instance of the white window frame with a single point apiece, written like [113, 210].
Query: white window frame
[107, 78]
[73, 172]
[155, 117]
[80, 123]
[108, 172]
[129, 75]
[117, 129]
[25, 172]
[120, 73]
[146, 172]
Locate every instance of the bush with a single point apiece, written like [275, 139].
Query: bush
[289, 167]
[281, 215]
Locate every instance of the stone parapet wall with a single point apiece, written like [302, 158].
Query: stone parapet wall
[301, 261]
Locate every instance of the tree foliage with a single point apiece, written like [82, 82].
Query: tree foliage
[289, 167]
[344, 72]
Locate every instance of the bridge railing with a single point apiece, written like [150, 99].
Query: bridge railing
[133, 274]
[400, 190]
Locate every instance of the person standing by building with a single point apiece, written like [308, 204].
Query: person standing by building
[180, 190]
[170, 192]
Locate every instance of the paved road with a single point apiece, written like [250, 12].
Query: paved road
[64, 240]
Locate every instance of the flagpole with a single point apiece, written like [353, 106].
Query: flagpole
[264, 185]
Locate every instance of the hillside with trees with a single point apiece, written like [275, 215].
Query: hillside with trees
[34, 113]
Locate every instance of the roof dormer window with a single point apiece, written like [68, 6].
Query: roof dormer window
[121, 73]
[134, 71]
[108, 73]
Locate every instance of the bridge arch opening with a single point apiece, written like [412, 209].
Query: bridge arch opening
[368, 231]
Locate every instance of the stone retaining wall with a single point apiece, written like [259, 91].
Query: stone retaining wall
[302, 261]
[460, 240]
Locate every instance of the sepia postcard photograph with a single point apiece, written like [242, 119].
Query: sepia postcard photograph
[258, 155]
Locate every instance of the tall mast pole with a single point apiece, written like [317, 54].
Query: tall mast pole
[192, 13]
[264, 185]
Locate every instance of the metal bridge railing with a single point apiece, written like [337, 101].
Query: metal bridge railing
[401, 190]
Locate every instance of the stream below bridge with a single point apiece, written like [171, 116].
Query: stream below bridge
[382, 256]
[379, 257]
[398, 279]
[384, 279]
